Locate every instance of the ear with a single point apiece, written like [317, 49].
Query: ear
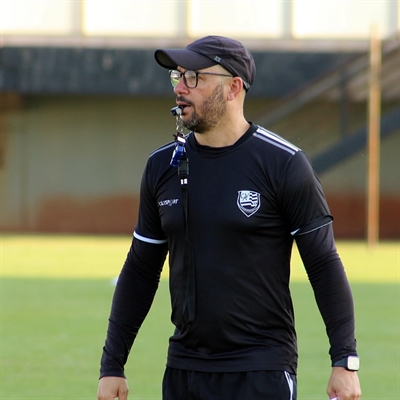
[235, 88]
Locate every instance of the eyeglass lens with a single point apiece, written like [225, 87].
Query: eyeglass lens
[189, 78]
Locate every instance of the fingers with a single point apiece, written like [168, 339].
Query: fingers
[343, 385]
[112, 387]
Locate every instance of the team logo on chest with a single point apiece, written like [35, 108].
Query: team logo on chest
[248, 202]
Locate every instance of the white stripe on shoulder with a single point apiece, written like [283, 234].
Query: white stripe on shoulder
[275, 140]
[162, 148]
[166, 146]
[149, 240]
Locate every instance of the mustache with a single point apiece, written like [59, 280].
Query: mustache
[182, 99]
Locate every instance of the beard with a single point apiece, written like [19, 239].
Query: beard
[209, 114]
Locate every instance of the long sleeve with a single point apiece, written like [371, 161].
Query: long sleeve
[331, 289]
[134, 294]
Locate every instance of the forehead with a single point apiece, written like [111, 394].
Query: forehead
[214, 68]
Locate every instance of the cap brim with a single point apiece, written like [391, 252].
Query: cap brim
[173, 58]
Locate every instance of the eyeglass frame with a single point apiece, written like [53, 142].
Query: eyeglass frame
[197, 73]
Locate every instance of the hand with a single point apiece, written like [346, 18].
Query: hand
[111, 387]
[344, 384]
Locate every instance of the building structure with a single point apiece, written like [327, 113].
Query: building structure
[83, 102]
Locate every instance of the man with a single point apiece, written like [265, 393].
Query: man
[228, 222]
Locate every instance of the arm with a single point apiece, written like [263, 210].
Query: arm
[331, 289]
[335, 302]
[309, 220]
[134, 294]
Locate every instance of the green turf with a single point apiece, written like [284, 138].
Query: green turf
[52, 332]
[378, 335]
[53, 329]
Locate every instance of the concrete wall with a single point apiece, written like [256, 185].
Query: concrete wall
[74, 164]
[67, 161]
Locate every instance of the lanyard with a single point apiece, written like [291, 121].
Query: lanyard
[179, 159]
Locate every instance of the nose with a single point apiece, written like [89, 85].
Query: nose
[181, 87]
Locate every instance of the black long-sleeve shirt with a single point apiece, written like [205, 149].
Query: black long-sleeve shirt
[247, 204]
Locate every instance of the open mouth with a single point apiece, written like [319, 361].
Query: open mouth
[183, 104]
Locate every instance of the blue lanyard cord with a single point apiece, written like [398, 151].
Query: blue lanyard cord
[179, 151]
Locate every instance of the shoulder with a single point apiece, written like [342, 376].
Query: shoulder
[274, 141]
[162, 150]
[160, 158]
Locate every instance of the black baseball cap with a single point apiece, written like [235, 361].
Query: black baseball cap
[209, 51]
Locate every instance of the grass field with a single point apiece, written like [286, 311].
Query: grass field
[55, 298]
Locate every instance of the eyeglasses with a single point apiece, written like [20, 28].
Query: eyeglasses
[190, 78]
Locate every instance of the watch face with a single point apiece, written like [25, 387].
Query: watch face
[353, 363]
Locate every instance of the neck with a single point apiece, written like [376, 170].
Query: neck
[224, 134]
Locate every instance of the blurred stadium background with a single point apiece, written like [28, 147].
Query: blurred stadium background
[83, 102]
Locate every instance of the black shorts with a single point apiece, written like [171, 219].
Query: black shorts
[254, 385]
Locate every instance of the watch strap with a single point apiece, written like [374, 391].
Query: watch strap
[351, 363]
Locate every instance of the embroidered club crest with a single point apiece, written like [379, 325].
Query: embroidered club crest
[248, 202]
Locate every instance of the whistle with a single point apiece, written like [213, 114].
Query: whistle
[177, 111]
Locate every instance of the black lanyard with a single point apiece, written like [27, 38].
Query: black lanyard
[180, 160]
[188, 262]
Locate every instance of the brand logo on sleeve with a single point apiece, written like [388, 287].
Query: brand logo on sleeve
[168, 202]
[248, 202]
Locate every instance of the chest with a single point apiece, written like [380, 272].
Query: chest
[223, 194]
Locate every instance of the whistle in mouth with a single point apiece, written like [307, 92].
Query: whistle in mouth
[177, 111]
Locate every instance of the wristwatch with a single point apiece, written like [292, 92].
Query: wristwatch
[351, 363]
